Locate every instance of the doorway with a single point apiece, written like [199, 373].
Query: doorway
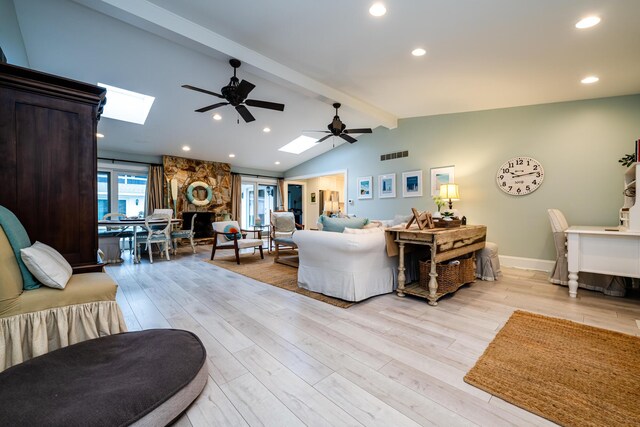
[294, 201]
[258, 199]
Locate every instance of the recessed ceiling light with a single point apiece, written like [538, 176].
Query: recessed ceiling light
[588, 22]
[377, 9]
[589, 80]
[232, 155]
[277, 163]
[418, 52]
[266, 130]
[186, 148]
[217, 116]
[99, 135]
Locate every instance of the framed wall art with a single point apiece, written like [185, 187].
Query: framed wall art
[365, 187]
[412, 184]
[312, 198]
[439, 176]
[387, 186]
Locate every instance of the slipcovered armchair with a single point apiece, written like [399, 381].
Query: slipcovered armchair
[352, 267]
[229, 235]
[609, 285]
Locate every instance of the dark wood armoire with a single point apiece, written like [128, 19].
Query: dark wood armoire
[48, 160]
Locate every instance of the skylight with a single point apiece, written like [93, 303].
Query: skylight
[126, 105]
[298, 145]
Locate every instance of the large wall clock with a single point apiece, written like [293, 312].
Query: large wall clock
[520, 176]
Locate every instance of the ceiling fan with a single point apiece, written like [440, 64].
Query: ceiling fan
[235, 93]
[337, 128]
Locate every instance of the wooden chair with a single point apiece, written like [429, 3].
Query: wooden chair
[184, 234]
[283, 225]
[229, 235]
[160, 236]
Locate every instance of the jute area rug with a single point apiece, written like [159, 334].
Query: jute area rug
[267, 271]
[569, 373]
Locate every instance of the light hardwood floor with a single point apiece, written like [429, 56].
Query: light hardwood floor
[277, 358]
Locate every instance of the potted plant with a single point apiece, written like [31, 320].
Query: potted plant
[439, 203]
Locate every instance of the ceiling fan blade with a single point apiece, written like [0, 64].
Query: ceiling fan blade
[246, 115]
[323, 138]
[321, 131]
[347, 138]
[197, 89]
[244, 88]
[362, 130]
[264, 104]
[211, 107]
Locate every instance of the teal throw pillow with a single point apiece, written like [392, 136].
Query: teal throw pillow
[19, 239]
[337, 225]
[231, 229]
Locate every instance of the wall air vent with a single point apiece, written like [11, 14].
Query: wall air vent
[396, 155]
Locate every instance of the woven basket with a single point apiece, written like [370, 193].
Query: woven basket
[468, 270]
[450, 276]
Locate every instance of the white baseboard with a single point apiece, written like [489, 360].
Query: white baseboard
[526, 263]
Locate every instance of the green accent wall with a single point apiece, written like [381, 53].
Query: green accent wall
[11, 36]
[578, 143]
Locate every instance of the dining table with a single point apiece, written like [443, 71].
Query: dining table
[134, 223]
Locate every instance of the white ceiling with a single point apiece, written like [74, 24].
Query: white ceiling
[308, 54]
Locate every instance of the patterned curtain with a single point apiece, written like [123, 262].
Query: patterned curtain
[236, 198]
[155, 189]
[280, 194]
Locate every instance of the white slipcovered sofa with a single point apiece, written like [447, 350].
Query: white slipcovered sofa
[351, 267]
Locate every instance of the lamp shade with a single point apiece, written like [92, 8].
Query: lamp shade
[449, 191]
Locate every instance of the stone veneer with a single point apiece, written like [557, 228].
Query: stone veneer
[187, 171]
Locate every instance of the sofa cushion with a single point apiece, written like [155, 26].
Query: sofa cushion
[19, 239]
[47, 265]
[10, 276]
[337, 225]
[81, 289]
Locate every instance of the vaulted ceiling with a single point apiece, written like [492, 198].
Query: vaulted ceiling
[308, 54]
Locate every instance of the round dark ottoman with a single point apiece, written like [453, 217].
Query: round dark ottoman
[140, 378]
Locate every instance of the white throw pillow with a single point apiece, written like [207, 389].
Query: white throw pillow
[348, 230]
[47, 265]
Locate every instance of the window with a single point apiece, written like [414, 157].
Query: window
[122, 190]
[103, 194]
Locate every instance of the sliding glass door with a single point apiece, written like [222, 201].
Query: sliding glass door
[258, 199]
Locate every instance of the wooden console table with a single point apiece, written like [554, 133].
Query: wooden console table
[444, 244]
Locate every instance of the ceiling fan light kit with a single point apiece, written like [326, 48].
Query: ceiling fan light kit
[235, 94]
[337, 128]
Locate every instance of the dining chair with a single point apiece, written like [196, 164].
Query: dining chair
[160, 236]
[120, 231]
[229, 235]
[184, 234]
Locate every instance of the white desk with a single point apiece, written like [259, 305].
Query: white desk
[597, 250]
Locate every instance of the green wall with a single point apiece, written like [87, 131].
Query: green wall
[10, 35]
[578, 144]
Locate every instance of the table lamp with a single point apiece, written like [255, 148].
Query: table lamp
[449, 191]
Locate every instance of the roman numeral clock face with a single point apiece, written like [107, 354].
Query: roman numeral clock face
[520, 176]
